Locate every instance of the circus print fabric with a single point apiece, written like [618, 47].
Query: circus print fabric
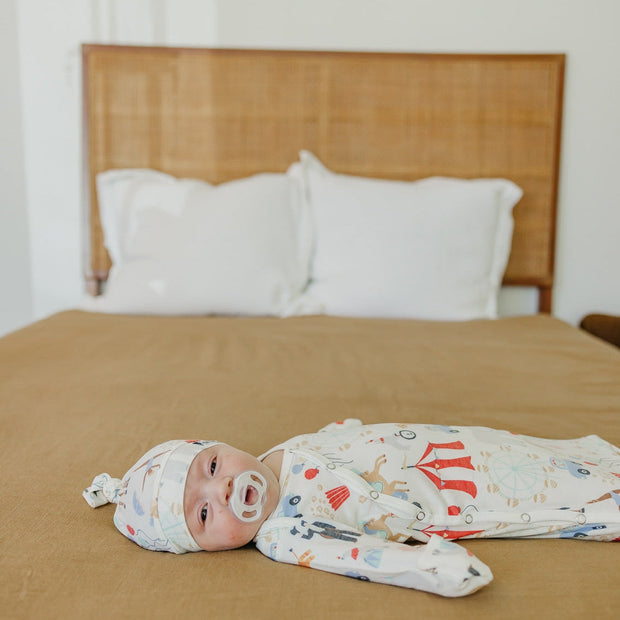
[351, 493]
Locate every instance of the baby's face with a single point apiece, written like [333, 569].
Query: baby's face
[208, 512]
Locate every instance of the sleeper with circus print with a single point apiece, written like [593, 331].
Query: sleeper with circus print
[352, 495]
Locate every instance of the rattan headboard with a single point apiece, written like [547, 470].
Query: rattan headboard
[220, 114]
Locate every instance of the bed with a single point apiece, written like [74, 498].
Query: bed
[85, 392]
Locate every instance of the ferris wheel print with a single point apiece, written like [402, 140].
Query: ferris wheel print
[515, 474]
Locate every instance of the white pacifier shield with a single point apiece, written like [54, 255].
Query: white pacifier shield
[240, 492]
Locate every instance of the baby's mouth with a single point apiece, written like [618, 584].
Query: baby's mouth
[251, 496]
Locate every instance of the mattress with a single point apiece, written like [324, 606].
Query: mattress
[83, 393]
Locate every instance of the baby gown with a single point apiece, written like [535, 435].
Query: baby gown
[351, 494]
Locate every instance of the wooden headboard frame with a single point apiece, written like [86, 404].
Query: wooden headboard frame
[220, 114]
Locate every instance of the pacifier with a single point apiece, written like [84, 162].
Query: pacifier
[248, 496]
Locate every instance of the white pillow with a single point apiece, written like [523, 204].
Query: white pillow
[431, 249]
[188, 247]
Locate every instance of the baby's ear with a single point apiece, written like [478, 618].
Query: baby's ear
[347, 423]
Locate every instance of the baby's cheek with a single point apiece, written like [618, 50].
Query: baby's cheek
[238, 536]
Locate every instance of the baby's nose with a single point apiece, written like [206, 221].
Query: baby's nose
[225, 489]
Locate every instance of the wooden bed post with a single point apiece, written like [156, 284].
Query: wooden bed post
[544, 299]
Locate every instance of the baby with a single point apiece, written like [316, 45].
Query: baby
[350, 498]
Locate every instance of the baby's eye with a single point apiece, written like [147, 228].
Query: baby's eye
[203, 513]
[213, 465]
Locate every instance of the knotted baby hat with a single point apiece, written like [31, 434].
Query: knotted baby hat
[149, 498]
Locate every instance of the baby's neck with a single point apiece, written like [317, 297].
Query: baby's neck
[274, 462]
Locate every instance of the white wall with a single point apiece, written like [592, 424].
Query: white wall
[49, 34]
[15, 281]
[587, 253]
